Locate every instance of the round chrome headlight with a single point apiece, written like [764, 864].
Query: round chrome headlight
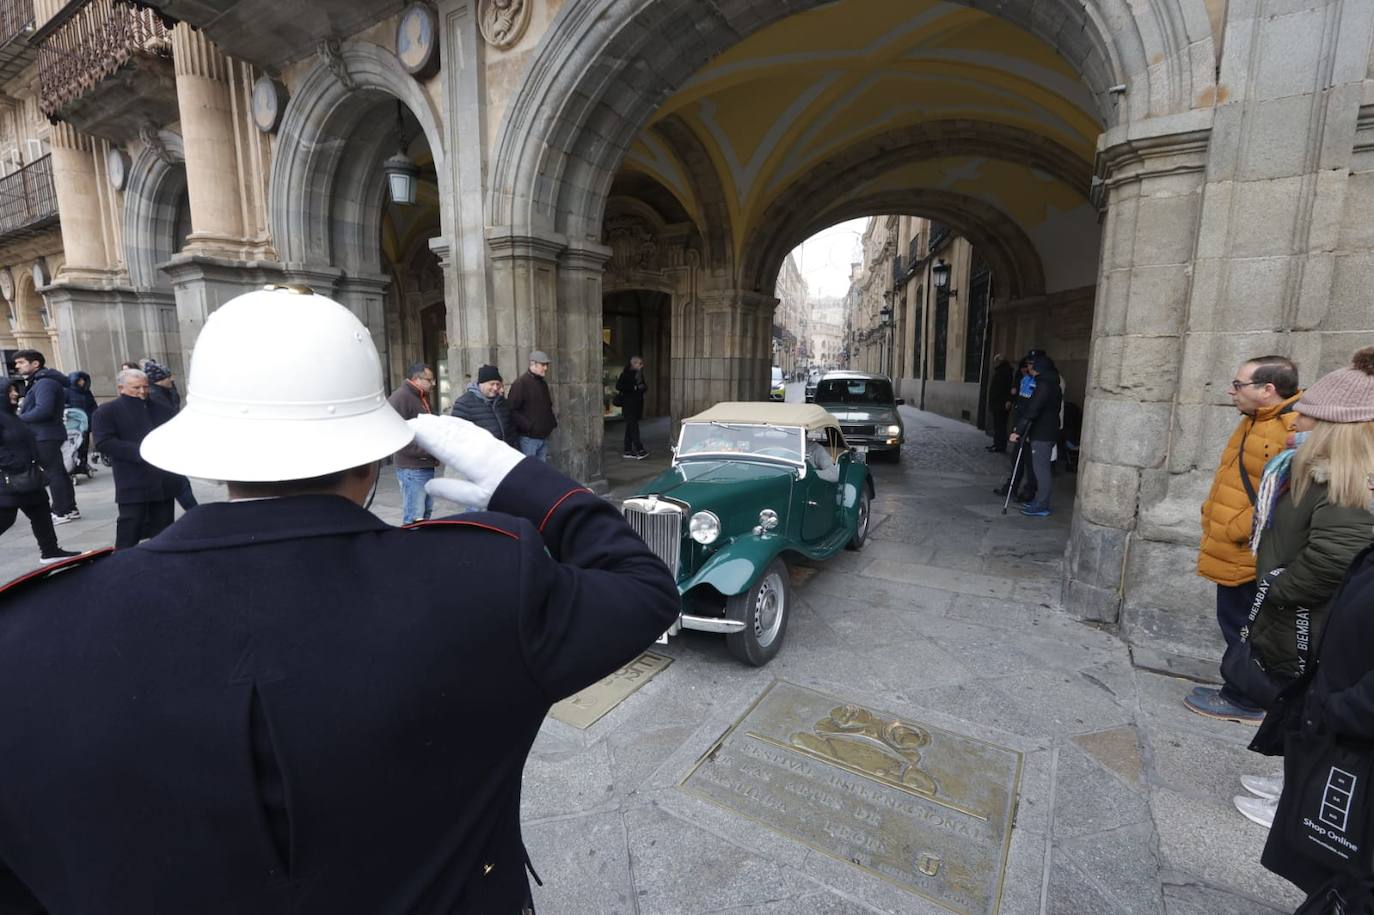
[704, 528]
[768, 519]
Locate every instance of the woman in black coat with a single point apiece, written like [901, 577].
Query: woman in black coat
[631, 387]
[18, 451]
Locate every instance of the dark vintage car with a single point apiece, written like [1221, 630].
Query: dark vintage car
[866, 409]
[752, 486]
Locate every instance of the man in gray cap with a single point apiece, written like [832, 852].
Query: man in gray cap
[531, 405]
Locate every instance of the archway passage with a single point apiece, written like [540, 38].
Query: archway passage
[333, 217]
[849, 110]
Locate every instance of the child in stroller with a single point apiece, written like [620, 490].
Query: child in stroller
[75, 448]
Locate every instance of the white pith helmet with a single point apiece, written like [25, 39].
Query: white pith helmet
[244, 424]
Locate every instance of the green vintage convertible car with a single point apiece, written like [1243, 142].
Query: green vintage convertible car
[752, 485]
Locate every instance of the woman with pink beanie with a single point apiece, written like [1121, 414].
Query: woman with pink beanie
[1319, 631]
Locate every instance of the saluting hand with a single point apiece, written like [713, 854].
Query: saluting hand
[481, 459]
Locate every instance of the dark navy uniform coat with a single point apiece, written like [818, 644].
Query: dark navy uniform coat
[289, 706]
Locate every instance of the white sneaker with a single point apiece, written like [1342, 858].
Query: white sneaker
[1257, 809]
[1268, 787]
[61, 519]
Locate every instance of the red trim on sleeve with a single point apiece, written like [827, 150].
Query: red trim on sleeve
[44, 571]
[565, 497]
[477, 524]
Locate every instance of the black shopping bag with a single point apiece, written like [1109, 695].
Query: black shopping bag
[1326, 812]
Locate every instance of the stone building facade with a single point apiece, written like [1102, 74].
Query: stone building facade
[789, 317]
[1199, 171]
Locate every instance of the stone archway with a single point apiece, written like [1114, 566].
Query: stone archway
[32, 327]
[153, 210]
[327, 186]
[601, 77]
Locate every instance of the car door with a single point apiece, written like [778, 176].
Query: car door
[820, 500]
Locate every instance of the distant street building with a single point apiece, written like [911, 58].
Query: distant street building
[789, 317]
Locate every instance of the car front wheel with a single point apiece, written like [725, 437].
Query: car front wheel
[763, 609]
[861, 526]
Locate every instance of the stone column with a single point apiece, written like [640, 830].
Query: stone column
[1153, 187]
[472, 322]
[575, 375]
[524, 293]
[75, 182]
[207, 130]
[202, 284]
[721, 349]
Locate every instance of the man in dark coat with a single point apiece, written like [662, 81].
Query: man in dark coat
[1039, 425]
[162, 389]
[999, 402]
[631, 387]
[18, 453]
[284, 704]
[483, 405]
[531, 405]
[414, 465]
[42, 409]
[143, 492]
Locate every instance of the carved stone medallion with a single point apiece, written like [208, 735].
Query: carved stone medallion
[269, 101]
[417, 41]
[503, 22]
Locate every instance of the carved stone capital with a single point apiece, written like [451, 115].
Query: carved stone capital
[331, 53]
[507, 244]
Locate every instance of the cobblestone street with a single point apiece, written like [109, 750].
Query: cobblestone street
[947, 617]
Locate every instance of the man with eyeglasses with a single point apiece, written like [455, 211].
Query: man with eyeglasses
[1264, 390]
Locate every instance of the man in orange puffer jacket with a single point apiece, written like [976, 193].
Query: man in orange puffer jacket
[1264, 390]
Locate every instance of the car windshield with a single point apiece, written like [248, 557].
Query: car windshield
[855, 390]
[779, 443]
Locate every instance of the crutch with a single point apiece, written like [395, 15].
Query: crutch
[1011, 484]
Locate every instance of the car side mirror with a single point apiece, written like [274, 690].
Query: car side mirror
[901, 401]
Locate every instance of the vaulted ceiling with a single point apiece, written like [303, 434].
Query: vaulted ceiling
[858, 99]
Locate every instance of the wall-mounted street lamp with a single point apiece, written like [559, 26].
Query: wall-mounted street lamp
[402, 174]
[939, 275]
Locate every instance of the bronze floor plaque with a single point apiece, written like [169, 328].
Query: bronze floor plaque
[924, 808]
[584, 709]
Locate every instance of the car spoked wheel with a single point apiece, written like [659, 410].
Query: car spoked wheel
[763, 609]
[861, 526]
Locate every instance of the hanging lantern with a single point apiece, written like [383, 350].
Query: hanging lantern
[940, 274]
[402, 176]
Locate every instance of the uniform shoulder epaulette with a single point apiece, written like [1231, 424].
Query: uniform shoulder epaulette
[46, 572]
[451, 523]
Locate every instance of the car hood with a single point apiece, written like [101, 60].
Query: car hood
[724, 486]
[854, 413]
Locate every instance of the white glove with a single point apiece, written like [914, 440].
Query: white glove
[478, 456]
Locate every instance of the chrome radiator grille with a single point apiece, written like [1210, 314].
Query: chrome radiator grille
[659, 524]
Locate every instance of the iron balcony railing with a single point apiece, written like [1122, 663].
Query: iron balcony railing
[16, 18]
[89, 41]
[938, 233]
[27, 199]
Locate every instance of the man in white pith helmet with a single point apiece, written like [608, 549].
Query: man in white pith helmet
[283, 704]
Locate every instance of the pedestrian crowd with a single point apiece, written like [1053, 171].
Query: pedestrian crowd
[1030, 400]
[1288, 542]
